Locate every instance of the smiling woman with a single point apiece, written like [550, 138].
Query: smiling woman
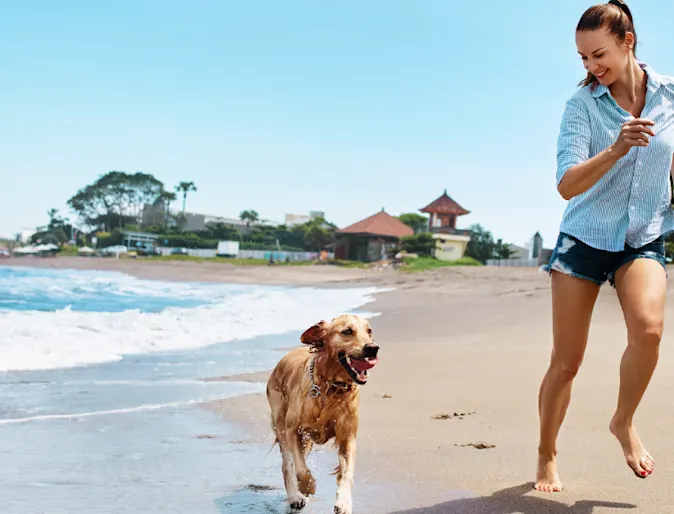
[614, 161]
[616, 18]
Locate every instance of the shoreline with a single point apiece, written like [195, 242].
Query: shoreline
[215, 272]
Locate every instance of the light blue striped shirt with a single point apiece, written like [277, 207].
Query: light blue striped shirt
[631, 202]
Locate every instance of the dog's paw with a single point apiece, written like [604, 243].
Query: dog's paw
[343, 507]
[297, 501]
[306, 484]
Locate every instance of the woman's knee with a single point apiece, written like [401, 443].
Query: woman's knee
[565, 369]
[646, 332]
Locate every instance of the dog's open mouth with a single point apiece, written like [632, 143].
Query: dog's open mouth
[357, 368]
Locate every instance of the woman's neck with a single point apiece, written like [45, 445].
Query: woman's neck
[632, 85]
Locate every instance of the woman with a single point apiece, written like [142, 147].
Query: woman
[614, 159]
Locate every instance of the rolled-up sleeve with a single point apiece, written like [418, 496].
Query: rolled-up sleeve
[573, 143]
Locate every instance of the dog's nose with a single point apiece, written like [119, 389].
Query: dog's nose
[370, 350]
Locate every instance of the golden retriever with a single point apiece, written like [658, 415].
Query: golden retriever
[313, 396]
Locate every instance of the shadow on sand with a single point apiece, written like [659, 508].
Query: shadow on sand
[513, 500]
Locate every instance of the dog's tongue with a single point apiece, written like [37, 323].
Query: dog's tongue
[362, 365]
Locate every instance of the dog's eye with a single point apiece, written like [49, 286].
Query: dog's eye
[347, 332]
[369, 331]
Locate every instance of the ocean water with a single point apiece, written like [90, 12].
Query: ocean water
[101, 379]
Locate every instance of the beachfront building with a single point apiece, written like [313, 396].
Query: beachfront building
[196, 221]
[451, 242]
[370, 239]
[292, 220]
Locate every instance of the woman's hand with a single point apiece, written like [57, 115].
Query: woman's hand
[635, 132]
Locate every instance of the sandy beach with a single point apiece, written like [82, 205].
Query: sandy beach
[451, 409]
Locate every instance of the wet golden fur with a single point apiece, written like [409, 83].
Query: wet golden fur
[299, 421]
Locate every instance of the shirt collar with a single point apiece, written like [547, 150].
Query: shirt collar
[653, 82]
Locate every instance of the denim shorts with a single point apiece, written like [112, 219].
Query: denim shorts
[573, 257]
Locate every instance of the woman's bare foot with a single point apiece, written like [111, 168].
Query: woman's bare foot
[636, 455]
[547, 479]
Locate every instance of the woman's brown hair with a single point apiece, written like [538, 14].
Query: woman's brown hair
[616, 17]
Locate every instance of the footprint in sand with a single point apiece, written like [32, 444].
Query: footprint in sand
[459, 415]
[477, 446]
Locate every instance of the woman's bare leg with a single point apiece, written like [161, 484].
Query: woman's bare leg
[573, 301]
[641, 286]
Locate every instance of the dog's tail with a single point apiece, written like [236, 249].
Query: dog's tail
[272, 446]
[273, 427]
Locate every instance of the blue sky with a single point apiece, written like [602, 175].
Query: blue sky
[345, 107]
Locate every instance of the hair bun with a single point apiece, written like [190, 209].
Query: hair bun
[623, 7]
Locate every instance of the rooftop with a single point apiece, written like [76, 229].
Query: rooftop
[445, 205]
[380, 224]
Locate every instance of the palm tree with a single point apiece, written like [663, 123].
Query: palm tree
[184, 188]
[167, 197]
[249, 217]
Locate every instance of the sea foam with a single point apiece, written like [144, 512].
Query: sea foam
[66, 318]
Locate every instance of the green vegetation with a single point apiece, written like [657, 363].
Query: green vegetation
[416, 265]
[118, 202]
[414, 220]
[420, 244]
[226, 260]
[254, 262]
[482, 246]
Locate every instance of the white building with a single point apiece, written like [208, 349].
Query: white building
[301, 219]
[195, 221]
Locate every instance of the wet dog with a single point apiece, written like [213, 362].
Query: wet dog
[313, 395]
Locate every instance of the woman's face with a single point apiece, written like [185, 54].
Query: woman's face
[603, 54]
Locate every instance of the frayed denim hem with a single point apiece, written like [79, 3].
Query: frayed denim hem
[646, 255]
[556, 266]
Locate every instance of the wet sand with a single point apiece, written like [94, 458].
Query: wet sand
[451, 410]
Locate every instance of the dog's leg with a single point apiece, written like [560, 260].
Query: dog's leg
[295, 498]
[347, 461]
[300, 447]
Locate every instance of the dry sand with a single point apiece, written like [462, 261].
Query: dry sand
[469, 346]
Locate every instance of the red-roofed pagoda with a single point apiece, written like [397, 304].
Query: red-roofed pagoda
[443, 213]
[450, 242]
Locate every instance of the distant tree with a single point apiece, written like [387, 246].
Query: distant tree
[420, 244]
[505, 251]
[413, 220]
[481, 246]
[53, 216]
[316, 237]
[249, 216]
[58, 230]
[219, 231]
[184, 188]
[115, 199]
[167, 197]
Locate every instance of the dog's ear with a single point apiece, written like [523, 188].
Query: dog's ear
[314, 335]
